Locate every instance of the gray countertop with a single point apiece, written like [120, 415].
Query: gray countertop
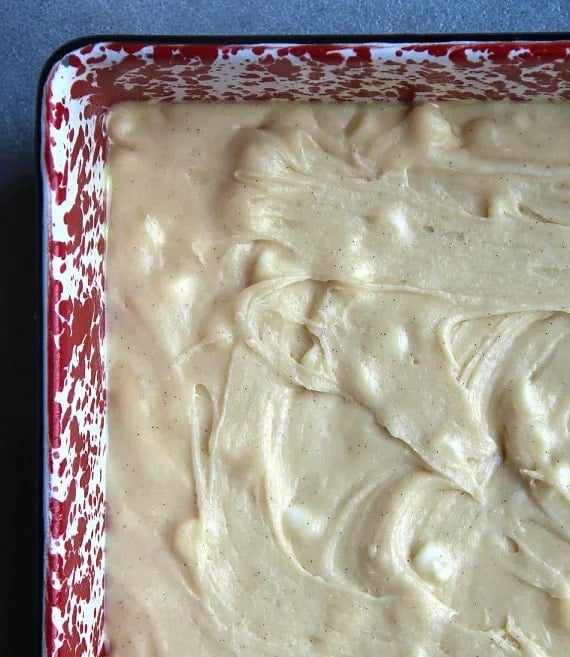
[30, 31]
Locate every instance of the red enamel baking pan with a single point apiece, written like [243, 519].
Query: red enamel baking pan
[79, 85]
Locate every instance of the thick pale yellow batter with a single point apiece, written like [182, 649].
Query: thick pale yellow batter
[339, 369]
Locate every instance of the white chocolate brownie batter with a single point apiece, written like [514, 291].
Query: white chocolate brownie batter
[339, 370]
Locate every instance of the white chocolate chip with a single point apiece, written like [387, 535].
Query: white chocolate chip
[396, 215]
[154, 230]
[501, 205]
[433, 562]
[302, 521]
[121, 125]
[267, 265]
[402, 342]
[183, 287]
[530, 401]
[272, 263]
[452, 447]
[431, 127]
[372, 551]
[186, 537]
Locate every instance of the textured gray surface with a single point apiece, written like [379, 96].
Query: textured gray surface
[30, 30]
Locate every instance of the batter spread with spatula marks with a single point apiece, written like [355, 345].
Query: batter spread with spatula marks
[339, 362]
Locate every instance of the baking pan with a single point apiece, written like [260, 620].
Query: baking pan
[79, 84]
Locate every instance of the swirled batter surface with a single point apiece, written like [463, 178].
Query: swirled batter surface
[339, 361]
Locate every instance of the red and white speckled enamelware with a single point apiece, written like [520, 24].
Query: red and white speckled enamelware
[79, 87]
